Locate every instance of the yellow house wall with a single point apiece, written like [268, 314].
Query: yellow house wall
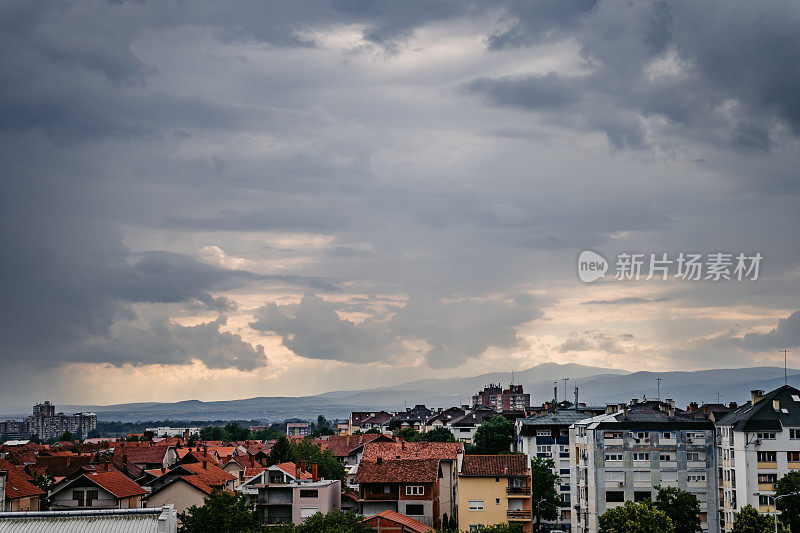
[488, 490]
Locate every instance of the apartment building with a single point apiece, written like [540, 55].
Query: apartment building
[758, 444]
[495, 397]
[494, 489]
[298, 429]
[547, 436]
[47, 424]
[624, 454]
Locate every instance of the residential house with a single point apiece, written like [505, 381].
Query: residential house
[392, 522]
[163, 520]
[464, 428]
[188, 484]
[348, 449]
[97, 490]
[494, 489]
[413, 418]
[17, 490]
[146, 455]
[357, 417]
[624, 454]
[441, 496]
[758, 444]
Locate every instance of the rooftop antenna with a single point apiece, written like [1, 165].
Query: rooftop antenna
[512, 377]
[785, 374]
[565, 387]
[717, 397]
[659, 387]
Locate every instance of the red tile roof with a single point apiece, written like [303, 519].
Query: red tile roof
[252, 471]
[343, 445]
[141, 454]
[18, 485]
[294, 471]
[196, 482]
[494, 465]
[413, 450]
[398, 471]
[408, 524]
[115, 483]
[210, 475]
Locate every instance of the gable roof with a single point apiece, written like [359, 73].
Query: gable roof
[344, 445]
[408, 524]
[398, 471]
[763, 416]
[447, 451]
[494, 466]
[141, 454]
[18, 484]
[117, 484]
[211, 475]
[293, 470]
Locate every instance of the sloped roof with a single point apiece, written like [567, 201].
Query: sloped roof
[398, 471]
[344, 445]
[141, 454]
[211, 475]
[409, 524]
[294, 471]
[18, 485]
[763, 416]
[494, 466]
[84, 521]
[117, 484]
[447, 451]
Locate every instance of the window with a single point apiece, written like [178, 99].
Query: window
[612, 435]
[696, 434]
[305, 512]
[415, 490]
[640, 495]
[696, 478]
[767, 457]
[693, 456]
[415, 510]
[763, 499]
[669, 477]
[542, 432]
[77, 495]
[642, 435]
[309, 493]
[564, 471]
[794, 433]
[615, 496]
[640, 475]
[476, 505]
[666, 457]
[613, 457]
[766, 435]
[497, 501]
[793, 457]
[387, 489]
[641, 456]
[544, 449]
[91, 495]
[767, 478]
[667, 435]
[611, 475]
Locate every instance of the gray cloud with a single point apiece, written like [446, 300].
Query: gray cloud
[453, 331]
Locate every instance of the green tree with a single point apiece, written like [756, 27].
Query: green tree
[309, 452]
[370, 431]
[221, 512]
[322, 422]
[543, 490]
[407, 434]
[749, 520]
[502, 528]
[66, 436]
[281, 451]
[233, 431]
[333, 522]
[632, 517]
[213, 433]
[494, 436]
[322, 431]
[439, 434]
[789, 505]
[269, 433]
[682, 507]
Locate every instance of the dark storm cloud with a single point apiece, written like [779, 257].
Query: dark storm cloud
[453, 331]
[734, 52]
[785, 335]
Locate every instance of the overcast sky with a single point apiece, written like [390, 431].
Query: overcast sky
[220, 200]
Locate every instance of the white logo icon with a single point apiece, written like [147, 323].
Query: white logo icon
[591, 266]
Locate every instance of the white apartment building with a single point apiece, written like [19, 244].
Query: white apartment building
[757, 445]
[624, 454]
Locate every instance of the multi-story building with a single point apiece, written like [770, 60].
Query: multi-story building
[547, 436]
[46, 424]
[511, 399]
[758, 444]
[13, 430]
[494, 489]
[624, 454]
[298, 429]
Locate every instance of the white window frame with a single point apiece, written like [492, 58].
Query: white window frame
[415, 490]
[476, 505]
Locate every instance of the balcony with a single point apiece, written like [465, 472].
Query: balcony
[521, 514]
[518, 491]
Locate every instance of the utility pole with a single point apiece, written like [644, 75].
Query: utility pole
[785, 374]
[565, 387]
[717, 397]
[659, 387]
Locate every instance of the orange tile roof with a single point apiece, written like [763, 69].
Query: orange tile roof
[211, 475]
[398, 471]
[116, 483]
[494, 466]
[409, 524]
[413, 450]
[294, 471]
[343, 445]
[18, 485]
[252, 471]
[197, 483]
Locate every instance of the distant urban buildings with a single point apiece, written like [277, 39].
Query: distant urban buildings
[298, 429]
[511, 399]
[46, 424]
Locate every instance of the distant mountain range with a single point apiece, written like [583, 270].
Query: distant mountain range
[597, 386]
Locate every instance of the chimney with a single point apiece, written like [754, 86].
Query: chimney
[733, 405]
[302, 467]
[205, 464]
[297, 470]
[314, 472]
[576, 397]
[379, 460]
[186, 434]
[402, 444]
[776, 405]
[163, 470]
[555, 393]
[692, 406]
[124, 460]
[756, 395]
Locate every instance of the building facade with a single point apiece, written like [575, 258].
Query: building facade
[511, 399]
[624, 454]
[46, 424]
[758, 444]
[494, 489]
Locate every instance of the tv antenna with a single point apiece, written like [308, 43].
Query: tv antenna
[785, 374]
[659, 387]
[565, 387]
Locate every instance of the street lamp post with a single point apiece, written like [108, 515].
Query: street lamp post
[775, 503]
